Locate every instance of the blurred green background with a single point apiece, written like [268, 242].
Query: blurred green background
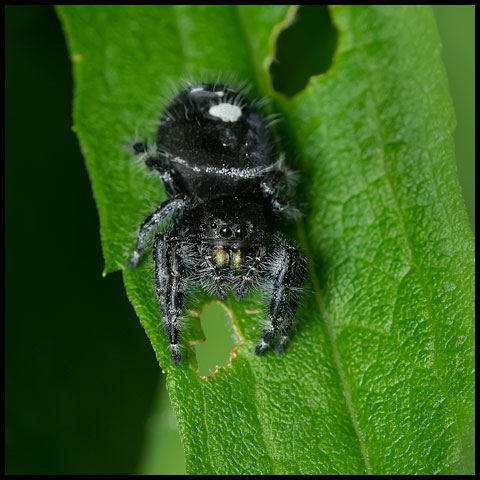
[84, 393]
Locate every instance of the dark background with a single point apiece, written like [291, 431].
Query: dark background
[80, 371]
[81, 375]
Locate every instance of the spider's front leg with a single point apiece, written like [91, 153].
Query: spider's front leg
[168, 207]
[274, 188]
[213, 279]
[284, 272]
[249, 274]
[171, 283]
[156, 162]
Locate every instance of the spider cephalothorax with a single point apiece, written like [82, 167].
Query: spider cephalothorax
[226, 188]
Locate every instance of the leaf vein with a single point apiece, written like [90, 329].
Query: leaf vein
[413, 255]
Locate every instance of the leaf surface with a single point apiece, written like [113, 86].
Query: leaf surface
[379, 377]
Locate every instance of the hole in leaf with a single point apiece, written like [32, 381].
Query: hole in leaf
[220, 339]
[303, 49]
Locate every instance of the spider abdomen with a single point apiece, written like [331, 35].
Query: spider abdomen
[216, 143]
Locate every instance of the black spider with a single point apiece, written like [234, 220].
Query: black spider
[226, 186]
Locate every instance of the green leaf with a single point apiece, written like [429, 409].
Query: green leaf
[379, 377]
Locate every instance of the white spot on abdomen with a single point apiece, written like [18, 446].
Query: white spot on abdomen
[226, 112]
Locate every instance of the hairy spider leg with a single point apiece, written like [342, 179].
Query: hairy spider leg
[171, 284]
[285, 273]
[156, 163]
[167, 208]
[249, 275]
[214, 272]
[274, 190]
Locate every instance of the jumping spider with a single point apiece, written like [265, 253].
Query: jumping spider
[226, 186]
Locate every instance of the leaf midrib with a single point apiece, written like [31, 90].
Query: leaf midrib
[317, 292]
[319, 298]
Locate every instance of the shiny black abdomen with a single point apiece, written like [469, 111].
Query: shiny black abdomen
[216, 143]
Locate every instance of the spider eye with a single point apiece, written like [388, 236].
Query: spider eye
[225, 232]
[213, 225]
[241, 231]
